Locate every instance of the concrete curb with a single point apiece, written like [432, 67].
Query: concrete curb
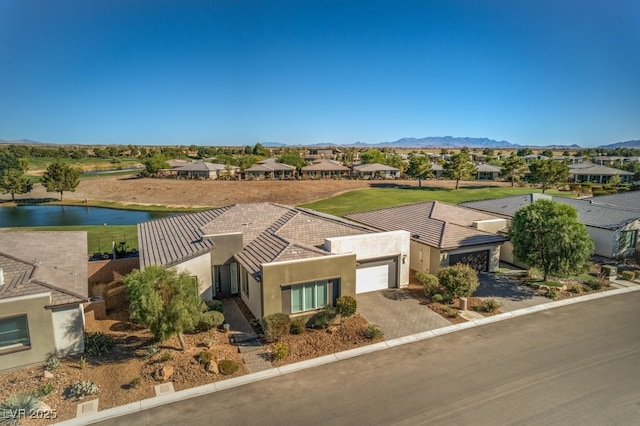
[149, 403]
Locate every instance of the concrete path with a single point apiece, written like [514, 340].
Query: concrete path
[242, 334]
[397, 313]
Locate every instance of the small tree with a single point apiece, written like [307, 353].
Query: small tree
[548, 236]
[459, 280]
[419, 168]
[460, 167]
[14, 181]
[371, 156]
[165, 301]
[346, 306]
[548, 172]
[513, 168]
[60, 177]
[155, 163]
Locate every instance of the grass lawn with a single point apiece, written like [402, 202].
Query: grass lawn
[99, 237]
[377, 198]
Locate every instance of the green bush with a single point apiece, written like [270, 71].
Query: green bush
[227, 367]
[135, 382]
[45, 389]
[490, 305]
[437, 298]
[80, 389]
[165, 356]
[280, 350]
[27, 402]
[98, 344]
[323, 318]
[297, 327]
[214, 305]
[373, 331]
[346, 306]
[459, 280]
[637, 273]
[553, 293]
[628, 275]
[275, 326]
[449, 311]
[53, 362]
[576, 288]
[205, 357]
[151, 350]
[209, 320]
[430, 283]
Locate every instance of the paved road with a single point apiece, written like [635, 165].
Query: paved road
[572, 365]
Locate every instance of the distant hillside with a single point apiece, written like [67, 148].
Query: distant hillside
[627, 144]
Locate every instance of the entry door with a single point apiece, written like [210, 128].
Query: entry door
[226, 279]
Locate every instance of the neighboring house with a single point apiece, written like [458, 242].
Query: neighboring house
[43, 284]
[438, 170]
[613, 229]
[487, 172]
[325, 169]
[589, 172]
[629, 200]
[203, 170]
[327, 153]
[442, 234]
[375, 171]
[270, 169]
[277, 258]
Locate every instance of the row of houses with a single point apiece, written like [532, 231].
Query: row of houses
[276, 258]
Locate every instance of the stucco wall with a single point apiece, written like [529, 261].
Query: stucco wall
[41, 334]
[68, 329]
[369, 246]
[277, 275]
[107, 271]
[490, 225]
[419, 256]
[225, 247]
[254, 300]
[506, 255]
[201, 267]
[603, 239]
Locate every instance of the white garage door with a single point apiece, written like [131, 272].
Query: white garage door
[372, 278]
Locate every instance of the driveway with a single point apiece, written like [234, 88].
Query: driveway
[397, 313]
[510, 293]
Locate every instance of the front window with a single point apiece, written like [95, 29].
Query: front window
[308, 296]
[14, 333]
[628, 239]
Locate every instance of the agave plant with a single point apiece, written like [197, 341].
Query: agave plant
[17, 406]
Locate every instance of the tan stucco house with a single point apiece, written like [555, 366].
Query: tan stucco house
[276, 258]
[43, 284]
[442, 234]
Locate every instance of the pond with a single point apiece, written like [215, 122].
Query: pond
[39, 215]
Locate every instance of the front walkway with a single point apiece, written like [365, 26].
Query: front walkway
[397, 313]
[242, 335]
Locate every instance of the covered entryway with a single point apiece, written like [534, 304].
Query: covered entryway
[478, 260]
[225, 279]
[376, 274]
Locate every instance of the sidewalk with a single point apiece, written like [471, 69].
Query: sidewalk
[242, 334]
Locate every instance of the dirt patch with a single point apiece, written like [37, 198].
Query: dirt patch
[214, 193]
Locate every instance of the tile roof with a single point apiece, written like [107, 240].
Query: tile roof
[325, 165]
[587, 168]
[375, 167]
[200, 165]
[270, 167]
[434, 223]
[39, 262]
[484, 167]
[589, 213]
[271, 233]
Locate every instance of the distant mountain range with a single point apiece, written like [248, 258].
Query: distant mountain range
[627, 144]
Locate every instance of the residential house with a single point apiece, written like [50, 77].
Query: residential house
[487, 172]
[614, 229]
[589, 172]
[322, 153]
[203, 170]
[375, 171]
[442, 234]
[43, 285]
[270, 169]
[325, 169]
[277, 258]
[438, 170]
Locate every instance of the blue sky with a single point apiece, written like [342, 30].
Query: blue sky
[237, 72]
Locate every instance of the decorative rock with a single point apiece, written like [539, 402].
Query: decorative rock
[212, 367]
[163, 373]
[332, 329]
[48, 374]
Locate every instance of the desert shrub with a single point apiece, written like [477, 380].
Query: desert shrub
[437, 298]
[214, 305]
[373, 331]
[280, 350]
[151, 350]
[82, 363]
[628, 275]
[98, 344]
[297, 327]
[275, 326]
[589, 280]
[53, 362]
[45, 389]
[637, 274]
[205, 357]
[430, 283]
[165, 356]
[135, 382]
[227, 367]
[449, 311]
[459, 280]
[553, 293]
[27, 402]
[490, 305]
[80, 389]
[209, 320]
[323, 318]
[576, 288]
[346, 306]
[550, 283]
